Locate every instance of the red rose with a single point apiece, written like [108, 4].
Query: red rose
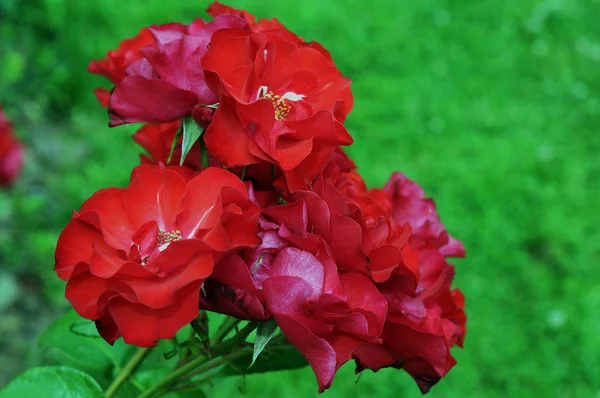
[115, 63]
[135, 258]
[420, 328]
[11, 152]
[283, 103]
[324, 314]
[425, 321]
[167, 83]
[360, 233]
[410, 205]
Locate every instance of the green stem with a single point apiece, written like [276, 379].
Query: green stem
[202, 363]
[133, 363]
[196, 366]
[235, 341]
[224, 328]
[174, 375]
[218, 362]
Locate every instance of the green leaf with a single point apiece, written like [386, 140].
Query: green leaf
[264, 332]
[74, 341]
[174, 143]
[84, 328]
[53, 382]
[191, 134]
[274, 357]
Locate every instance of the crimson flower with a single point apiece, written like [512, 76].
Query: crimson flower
[324, 314]
[11, 152]
[360, 233]
[168, 83]
[115, 62]
[283, 102]
[423, 323]
[135, 258]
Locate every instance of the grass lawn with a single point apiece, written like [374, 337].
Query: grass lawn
[493, 106]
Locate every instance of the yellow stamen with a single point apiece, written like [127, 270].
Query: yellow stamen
[282, 109]
[165, 237]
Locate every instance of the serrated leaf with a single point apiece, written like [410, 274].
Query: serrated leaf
[264, 332]
[191, 134]
[53, 382]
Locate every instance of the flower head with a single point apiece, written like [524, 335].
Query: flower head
[135, 258]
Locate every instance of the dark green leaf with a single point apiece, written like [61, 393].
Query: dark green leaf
[174, 143]
[191, 134]
[264, 332]
[84, 328]
[81, 348]
[52, 382]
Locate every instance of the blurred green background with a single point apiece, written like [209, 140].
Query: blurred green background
[493, 106]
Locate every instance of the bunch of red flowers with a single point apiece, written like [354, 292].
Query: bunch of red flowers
[11, 153]
[246, 205]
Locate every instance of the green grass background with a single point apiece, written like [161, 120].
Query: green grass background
[493, 106]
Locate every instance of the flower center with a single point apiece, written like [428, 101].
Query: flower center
[282, 109]
[165, 237]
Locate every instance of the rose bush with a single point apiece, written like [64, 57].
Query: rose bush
[246, 205]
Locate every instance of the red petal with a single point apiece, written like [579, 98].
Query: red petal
[83, 292]
[143, 326]
[158, 293]
[203, 203]
[226, 139]
[317, 351]
[155, 194]
[294, 262]
[137, 99]
[113, 216]
[362, 295]
[75, 244]
[102, 95]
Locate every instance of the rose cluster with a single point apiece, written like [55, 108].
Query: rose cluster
[11, 153]
[264, 216]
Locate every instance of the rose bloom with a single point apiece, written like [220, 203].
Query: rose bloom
[337, 251]
[312, 274]
[283, 102]
[325, 314]
[11, 152]
[422, 324]
[168, 82]
[115, 62]
[136, 258]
